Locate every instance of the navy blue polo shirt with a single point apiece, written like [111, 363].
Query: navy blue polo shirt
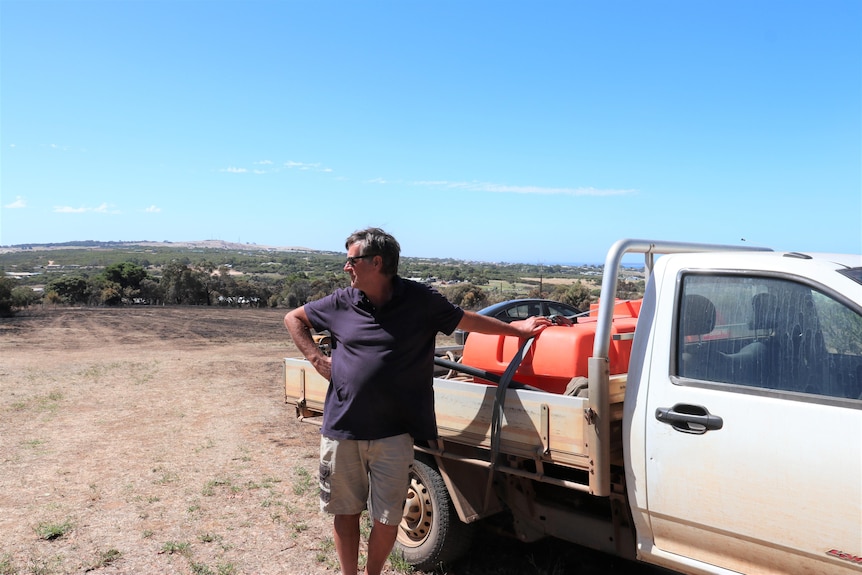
[382, 360]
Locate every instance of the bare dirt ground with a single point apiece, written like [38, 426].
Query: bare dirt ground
[157, 441]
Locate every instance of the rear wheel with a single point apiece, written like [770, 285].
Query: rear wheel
[430, 532]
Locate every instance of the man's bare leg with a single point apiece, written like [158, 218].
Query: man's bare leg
[380, 544]
[346, 534]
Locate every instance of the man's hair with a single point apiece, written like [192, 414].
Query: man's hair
[374, 241]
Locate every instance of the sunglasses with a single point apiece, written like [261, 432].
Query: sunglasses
[351, 260]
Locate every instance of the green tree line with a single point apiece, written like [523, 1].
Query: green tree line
[114, 277]
[179, 283]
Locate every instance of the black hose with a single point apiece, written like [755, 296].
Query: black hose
[481, 373]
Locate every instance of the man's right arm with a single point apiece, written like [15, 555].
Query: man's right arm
[530, 327]
[299, 327]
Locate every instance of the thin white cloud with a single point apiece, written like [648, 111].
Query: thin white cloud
[103, 208]
[270, 167]
[17, 204]
[154, 209]
[507, 189]
[306, 166]
[235, 170]
[488, 187]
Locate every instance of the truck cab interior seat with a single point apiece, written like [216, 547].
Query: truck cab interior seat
[764, 308]
[698, 315]
[753, 362]
[697, 318]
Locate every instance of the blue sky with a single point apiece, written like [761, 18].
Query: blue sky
[535, 132]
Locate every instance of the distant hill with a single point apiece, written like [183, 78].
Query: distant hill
[202, 244]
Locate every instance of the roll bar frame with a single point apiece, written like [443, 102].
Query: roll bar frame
[598, 412]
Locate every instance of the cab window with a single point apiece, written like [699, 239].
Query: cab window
[768, 333]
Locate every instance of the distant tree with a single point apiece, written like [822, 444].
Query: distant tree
[183, 285]
[260, 292]
[248, 292]
[110, 293]
[496, 297]
[295, 290]
[126, 275]
[52, 297]
[6, 286]
[24, 296]
[629, 289]
[71, 289]
[223, 286]
[465, 295]
[536, 292]
[209, 278]
[479, 278]
[151, 292]
[452, 274]
[576, 295]
[298, 289]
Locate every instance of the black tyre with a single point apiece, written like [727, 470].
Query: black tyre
[430, 532]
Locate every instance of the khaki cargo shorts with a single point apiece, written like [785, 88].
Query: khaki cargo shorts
[366, 474]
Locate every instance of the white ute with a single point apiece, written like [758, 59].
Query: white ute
[723, 436]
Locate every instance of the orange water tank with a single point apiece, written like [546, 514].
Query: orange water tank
[557, 354]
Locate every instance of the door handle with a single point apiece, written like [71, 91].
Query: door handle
[689, 418]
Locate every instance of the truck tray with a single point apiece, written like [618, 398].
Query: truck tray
[536, 424]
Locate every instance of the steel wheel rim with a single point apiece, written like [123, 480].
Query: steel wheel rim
[418, 515]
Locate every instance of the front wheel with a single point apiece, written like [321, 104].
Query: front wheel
[430, 532]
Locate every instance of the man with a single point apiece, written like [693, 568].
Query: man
[380, 396]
